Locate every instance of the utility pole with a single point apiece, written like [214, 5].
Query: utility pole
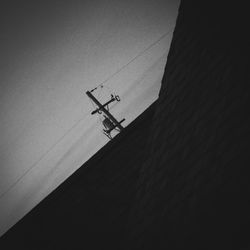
[101, 108]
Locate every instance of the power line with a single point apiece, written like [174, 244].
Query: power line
[43, 155]
[133, 59]
[70, 129]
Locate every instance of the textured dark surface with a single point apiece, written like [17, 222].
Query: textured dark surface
[193, 190]
[177, 178]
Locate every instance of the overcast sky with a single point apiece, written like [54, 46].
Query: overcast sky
[52, 52]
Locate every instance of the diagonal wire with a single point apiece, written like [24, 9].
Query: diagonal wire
[133, 59]
[70, 129]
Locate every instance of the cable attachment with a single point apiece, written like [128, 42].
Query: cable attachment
[93, 90]
[117, 97]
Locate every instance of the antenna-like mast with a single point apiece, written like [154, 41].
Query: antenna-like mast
[110, 123]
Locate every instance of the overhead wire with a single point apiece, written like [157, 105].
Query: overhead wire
[133, 59]
[70, 129]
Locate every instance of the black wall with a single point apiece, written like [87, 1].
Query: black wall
[193, 190]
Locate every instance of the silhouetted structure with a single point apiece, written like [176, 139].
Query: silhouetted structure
[177, 177]
[109, 122]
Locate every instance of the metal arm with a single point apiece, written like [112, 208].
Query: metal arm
[102, 108]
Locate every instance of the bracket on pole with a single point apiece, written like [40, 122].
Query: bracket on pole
[110, 122]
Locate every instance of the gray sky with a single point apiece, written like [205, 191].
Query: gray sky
[51, 53]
